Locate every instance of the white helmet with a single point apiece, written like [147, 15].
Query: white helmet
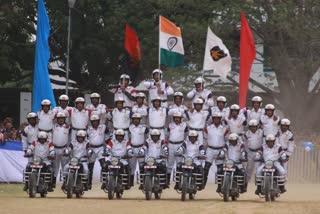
[199, 80]
[94, 117]
[198, 101]
[157, 71]
[80, 100]
[81, 133]
[178, 94]
[43, 134]
[155, 132]
[233, 136]
[31, 115]
[119, 99]
[253, 122]
[177, 114]
[193, 133]
[125, 76]
[216, 114]
[235, 107]
[270, 137]
[61, 114]
[269, 107]
[45, 102]
[285, 122]
[136, 115]
[222, 99]
[95, 95]
[140, 94]
[119, 132]
[64, 97]
[157, 98]
[256, 99]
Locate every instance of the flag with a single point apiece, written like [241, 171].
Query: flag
[41, 82]
[217, 56]
[247, 56]
[171, 52]
[132, 45]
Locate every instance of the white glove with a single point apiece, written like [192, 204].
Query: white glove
[284, 156]
[221, 154]
[130, 152]
[244, 155]
[166, 150]
[257, 157]
[29, 152]
[141, 152]
[66, 151]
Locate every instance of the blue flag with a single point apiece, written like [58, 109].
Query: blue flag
[41, 82]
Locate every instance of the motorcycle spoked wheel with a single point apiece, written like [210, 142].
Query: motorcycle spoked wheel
[33, 185]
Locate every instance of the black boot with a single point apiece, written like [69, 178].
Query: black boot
[54, 182]
[26, 186]
[258, 190]
[282, 189]
[131, 180]
[168, 180]
[206, 173]
[218, 188]
[90, 167]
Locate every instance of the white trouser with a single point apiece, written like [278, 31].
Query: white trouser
[172, 159]
[212, 155]
[60, 160]
[252, 165]
[277, 165]
[133, 161]
[96, 154]
[85, 169]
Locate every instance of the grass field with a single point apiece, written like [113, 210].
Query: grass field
[303, 198]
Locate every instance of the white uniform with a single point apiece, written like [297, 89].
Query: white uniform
[157, 119]
[143, 111]
[236, 125]
[166, 90]
[42, 150]
[66, 110]
[100, 110]
[252, 114]
[234, 153]
[79, 121]
[272, 154]
[154, 149]
[269, 125]
[60, 139]
[46, 122]
[118, 93]
[119, 149]
[216, 138]
[96, 137]
[205, 94]
[224, 112]
[177, 134]
[137, 139]
[192, 150]
[79, 150]
[253, 143]
[29, 134]
[197, 121]
[175, 108]
[121, 119]
[285, 139]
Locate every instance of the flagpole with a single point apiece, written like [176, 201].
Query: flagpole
[159, 40]
[204, 56]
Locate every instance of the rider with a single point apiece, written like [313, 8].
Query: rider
[235, 120]
[121, 116]
[141, 108]
[255, 111]
[63, 101]
[97, 108]
[200, 92]
[221, 107]
[157, 116]
[177, 105]
[46, 117]
[269, 120]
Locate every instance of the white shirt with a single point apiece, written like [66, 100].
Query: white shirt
[175, 108]
[191, 149]
[118, 93]
[269, 125]
[96, 136]
[205, 94]
[46, 120]
[66, 110]
[177, 132]
[285, 139]
[29, 134]
[236, 125]
[157, 117]
[117, 148]
[121, 118]
[234, 151]
[79, 150]
[100, 110]
[79, 119]
[254, 140]
[143, 111]
[224, 112]
[154, 149]
[153, 90]
[197, 119]
[137, 134]
[41, 150]
[216, 135]
[272, 154]
[60, 135]
[253, 114]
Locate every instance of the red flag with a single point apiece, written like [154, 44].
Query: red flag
[132, 45]
[247, 56]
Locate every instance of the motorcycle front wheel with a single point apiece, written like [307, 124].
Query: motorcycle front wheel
[267, 188]
[148, 187]
[33, 185]
[184, 188]
[226, 188]
[111, 187]
[70, 185]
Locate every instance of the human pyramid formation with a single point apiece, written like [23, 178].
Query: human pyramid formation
[209, 132]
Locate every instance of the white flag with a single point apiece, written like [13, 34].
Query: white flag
[217, 56]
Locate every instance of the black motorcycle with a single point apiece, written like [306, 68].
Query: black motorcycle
[189, 177]
[38, 178]
[154, 177]
[75, 182]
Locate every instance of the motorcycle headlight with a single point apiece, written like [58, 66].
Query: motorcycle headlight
[229, 164]
[150, 161]
[36, 161]
[188, 161]
[114, 161]
[74, 161]
[268, 164]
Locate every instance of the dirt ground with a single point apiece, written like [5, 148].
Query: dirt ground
[302, 198]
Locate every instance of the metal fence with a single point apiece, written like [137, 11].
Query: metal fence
[304, 167]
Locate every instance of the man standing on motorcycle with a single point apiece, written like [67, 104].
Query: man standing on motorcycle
[60, 140]
[177, 105]
[221, 107]
[157, 116]
[191, 147]
[235, 120]
[216, 136]
[199, 92]
[255, 111]
[63, 102]
[121, 116]
[271, 151]
[43, 149]
[96, 137]
[285, 139]
[97, 108]
[253, 140]
[177, 132]
[269, 120]
[137, 133]
[46, 117]
[236, 152]
[141, 108]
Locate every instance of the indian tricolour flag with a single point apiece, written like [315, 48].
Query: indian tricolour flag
[171, 52]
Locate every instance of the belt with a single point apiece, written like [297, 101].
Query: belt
[151, 127]
[137, 146]
[96, 146]
[215, 148]
[178, 142]
[76, 129]
[240, 134]
[164, 101]
[60, 147]
[285, 149]
[42, 130]
[83, 161]
[124, 129]
[196, 129]
[253, 150]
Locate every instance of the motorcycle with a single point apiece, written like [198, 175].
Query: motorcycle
[38, 180]
[116, 179]
[75, 182]
[153, 178]
[188, 179]
[270, 182]
[232, 184]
